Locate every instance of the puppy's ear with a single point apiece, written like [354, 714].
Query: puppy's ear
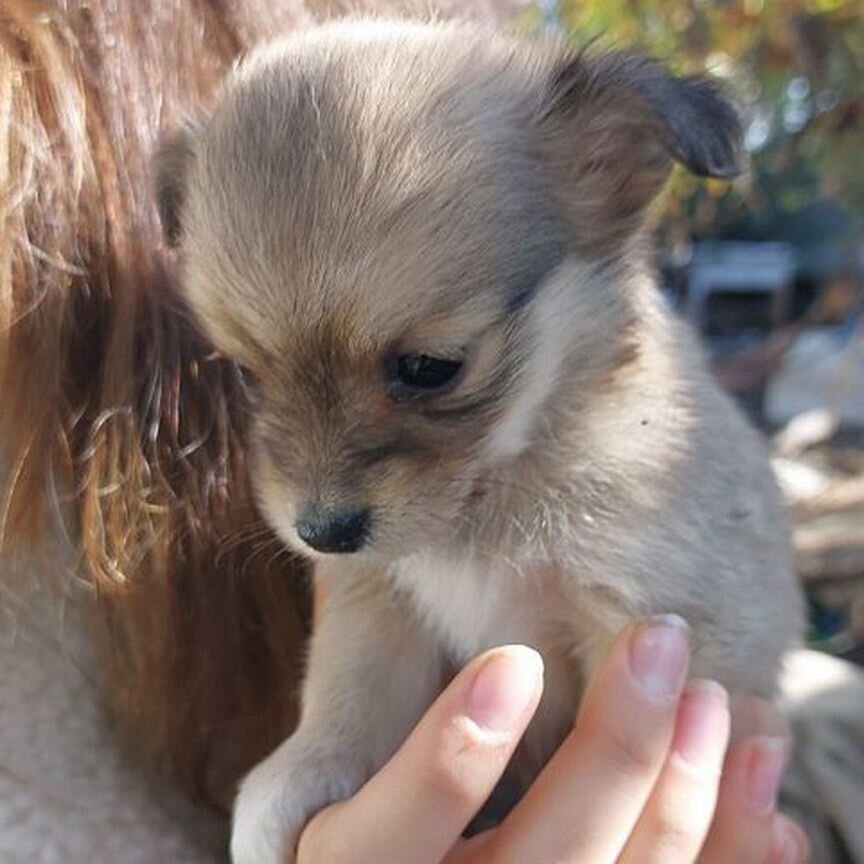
[174, 160]
[612, 125]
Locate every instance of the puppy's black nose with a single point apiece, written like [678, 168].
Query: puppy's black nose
[333, 530]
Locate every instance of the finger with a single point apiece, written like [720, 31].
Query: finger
[475, 850]
[789, 844]
[443, 774]
[588, 798]
[743, 825]
[674, 824]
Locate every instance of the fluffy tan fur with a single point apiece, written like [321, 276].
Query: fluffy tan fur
[370, 190]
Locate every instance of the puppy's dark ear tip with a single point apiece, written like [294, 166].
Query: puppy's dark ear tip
[725, 165]
[704, 127]
[725, 171]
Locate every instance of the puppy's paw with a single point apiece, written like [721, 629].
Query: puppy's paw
[280, 795]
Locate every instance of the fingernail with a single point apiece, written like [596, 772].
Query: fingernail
[659, 655]
[702, 727]
[764, 770]
[504, 689]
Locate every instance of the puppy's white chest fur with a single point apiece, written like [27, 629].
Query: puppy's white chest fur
[473, 605]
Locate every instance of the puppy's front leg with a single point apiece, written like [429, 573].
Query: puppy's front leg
[372, 672]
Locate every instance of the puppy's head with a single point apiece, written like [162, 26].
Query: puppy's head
[406, 235]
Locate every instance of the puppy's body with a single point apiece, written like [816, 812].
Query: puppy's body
[373, 204]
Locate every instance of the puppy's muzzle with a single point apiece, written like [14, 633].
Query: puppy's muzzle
[333, 531]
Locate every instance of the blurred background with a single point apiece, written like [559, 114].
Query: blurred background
[770, 268]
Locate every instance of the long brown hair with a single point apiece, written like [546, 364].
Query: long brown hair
[118, 423]
[117, 418]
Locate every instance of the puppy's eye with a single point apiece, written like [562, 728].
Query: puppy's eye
[417, 375]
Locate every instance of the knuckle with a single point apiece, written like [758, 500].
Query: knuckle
[679, 815]
[453, 773]
[445, 781]
[631, 752]
[677, 833]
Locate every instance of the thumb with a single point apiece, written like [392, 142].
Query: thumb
[434, 785]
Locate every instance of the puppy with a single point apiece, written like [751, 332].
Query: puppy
[424, 245]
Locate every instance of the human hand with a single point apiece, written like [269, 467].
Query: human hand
[641, 778]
